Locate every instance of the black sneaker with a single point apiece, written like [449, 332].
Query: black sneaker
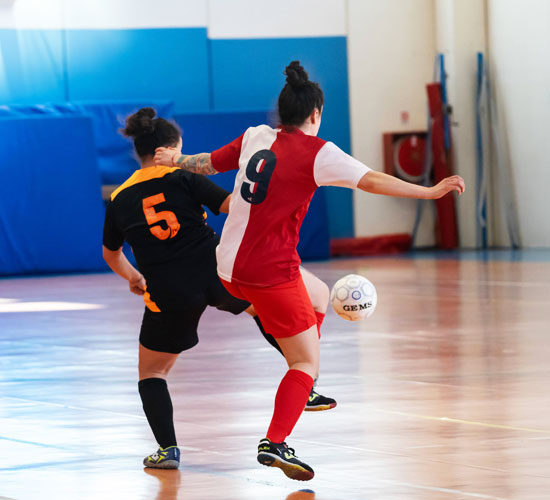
[318, 402]
[280, 455]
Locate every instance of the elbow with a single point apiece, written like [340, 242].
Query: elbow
[368, 183]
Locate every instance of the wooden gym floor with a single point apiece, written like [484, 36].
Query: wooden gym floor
[442, 394]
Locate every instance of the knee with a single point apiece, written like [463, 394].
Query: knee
[154, 364]
[308, 364]
[309, 367]
[145, 373]
[153, 370]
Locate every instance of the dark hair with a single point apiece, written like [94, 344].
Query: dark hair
[299, 96]
[150, 133]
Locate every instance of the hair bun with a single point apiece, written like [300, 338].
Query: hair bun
[296, 75]
[140, 123]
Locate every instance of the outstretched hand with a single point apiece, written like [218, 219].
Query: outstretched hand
[453, 183]
[138, 285]
[166, 156]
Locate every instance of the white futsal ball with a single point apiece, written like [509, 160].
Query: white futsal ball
[353, 297]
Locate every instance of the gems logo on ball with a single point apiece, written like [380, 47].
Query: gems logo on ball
[353, 297]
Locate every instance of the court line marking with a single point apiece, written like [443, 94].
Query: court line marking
[423, 446]
[534, 284]
[320, 486]
[82, 408]
[121, 353]
[443, 419]
[413, 378]
[454, 386]
[47, 465]
[198, 469]
[461, 421]
[34, 443]
[34, 345]
[217, 473]
[99, 410]
[443, 490]
[201, 469]
[410, 379]
[412, 456]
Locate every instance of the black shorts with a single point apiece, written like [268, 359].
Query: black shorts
[175, 330]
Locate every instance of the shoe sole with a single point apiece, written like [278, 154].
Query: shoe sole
[167, 464]
[292, 471]
[320, 407]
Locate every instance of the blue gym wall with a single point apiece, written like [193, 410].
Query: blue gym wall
[198, 74]
[247, 74]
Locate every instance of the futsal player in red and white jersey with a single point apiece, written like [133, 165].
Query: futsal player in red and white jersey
[278, 173]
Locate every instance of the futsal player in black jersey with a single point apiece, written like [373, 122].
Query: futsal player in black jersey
[159, 212]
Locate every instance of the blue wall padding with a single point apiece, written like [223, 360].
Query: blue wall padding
[57, 200]
[248, 74]
[114, 152]
[314, 235]
[141, 65]
[116, 159]
[31, 66]
[216, 86]
[51, 212]
[210, 131]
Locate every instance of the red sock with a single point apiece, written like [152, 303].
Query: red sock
[290, 401]
[320, 318]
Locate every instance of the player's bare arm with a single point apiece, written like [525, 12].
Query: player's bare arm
[380, 183]
[118, 262]
[224, 207]
[197, 164]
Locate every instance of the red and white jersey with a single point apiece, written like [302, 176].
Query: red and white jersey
[279, 170]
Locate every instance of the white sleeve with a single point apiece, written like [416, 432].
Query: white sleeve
[333, 167]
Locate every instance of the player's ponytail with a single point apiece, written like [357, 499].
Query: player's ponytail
[299, 97]
[150, 133]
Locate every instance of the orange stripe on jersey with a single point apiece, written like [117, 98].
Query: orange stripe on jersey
[150, 304]
[142, 175]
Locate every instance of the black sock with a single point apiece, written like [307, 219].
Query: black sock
[270, 338]
[157, 406]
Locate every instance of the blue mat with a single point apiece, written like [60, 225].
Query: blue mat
[114, 152]
[51, 211]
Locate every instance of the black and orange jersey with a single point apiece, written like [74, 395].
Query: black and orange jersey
[159, 212]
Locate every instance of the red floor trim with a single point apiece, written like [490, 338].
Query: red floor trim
[372, 245]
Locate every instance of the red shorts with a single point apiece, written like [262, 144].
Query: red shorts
[285, 310]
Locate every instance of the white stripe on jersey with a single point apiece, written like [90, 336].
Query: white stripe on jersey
[254, 140]
[333, 167]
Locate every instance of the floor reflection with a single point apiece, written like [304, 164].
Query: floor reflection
[301, 495]
[441, 393]
[169, 482]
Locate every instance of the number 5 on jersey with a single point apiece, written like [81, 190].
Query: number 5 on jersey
[153, 217]
[262, 178]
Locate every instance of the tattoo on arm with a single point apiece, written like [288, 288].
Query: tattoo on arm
[198, 164]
